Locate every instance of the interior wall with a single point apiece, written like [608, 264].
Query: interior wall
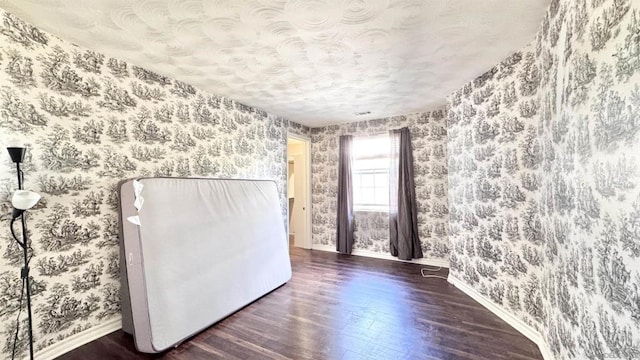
[89, 121]
[294, 149]
[296, 203]
[429, 139]
[544, 191]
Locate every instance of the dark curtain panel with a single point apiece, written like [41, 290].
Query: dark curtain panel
[344, 236]
[403, 214]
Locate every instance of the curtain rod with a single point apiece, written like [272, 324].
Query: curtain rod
[372, 134]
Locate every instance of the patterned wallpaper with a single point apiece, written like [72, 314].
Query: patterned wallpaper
[89, 121]
[429, 140]
[544, 194]
[320, 61]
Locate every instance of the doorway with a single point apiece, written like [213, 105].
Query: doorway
[299, 190]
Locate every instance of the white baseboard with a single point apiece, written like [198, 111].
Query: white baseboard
[79, 339]
[328, 248]
[372, 254]
[526, 330]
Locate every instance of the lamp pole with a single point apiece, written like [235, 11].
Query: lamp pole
[17, 155]
[25, 269]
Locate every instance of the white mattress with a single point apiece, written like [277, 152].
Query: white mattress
[204, 249]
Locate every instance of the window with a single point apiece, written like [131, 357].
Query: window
[371, 173]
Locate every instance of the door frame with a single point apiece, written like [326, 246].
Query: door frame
[308, 243]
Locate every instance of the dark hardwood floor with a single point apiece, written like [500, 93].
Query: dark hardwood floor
[341, 307]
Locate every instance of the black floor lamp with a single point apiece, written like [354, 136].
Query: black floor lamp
[23, 200]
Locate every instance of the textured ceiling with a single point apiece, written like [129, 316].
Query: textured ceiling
[316, 62]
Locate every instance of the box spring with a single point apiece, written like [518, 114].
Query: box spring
[204, 249]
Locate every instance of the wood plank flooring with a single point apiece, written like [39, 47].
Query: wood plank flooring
[341, 307]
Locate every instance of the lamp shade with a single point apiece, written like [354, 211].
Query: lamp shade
[17, 153]
[16, 149]
[24, 199]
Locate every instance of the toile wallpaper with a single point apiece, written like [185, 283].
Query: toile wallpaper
[89, 121]
[531, 190]
[544, 193]
[429, 140]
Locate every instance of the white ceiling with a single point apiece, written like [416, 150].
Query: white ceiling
[316, 62]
